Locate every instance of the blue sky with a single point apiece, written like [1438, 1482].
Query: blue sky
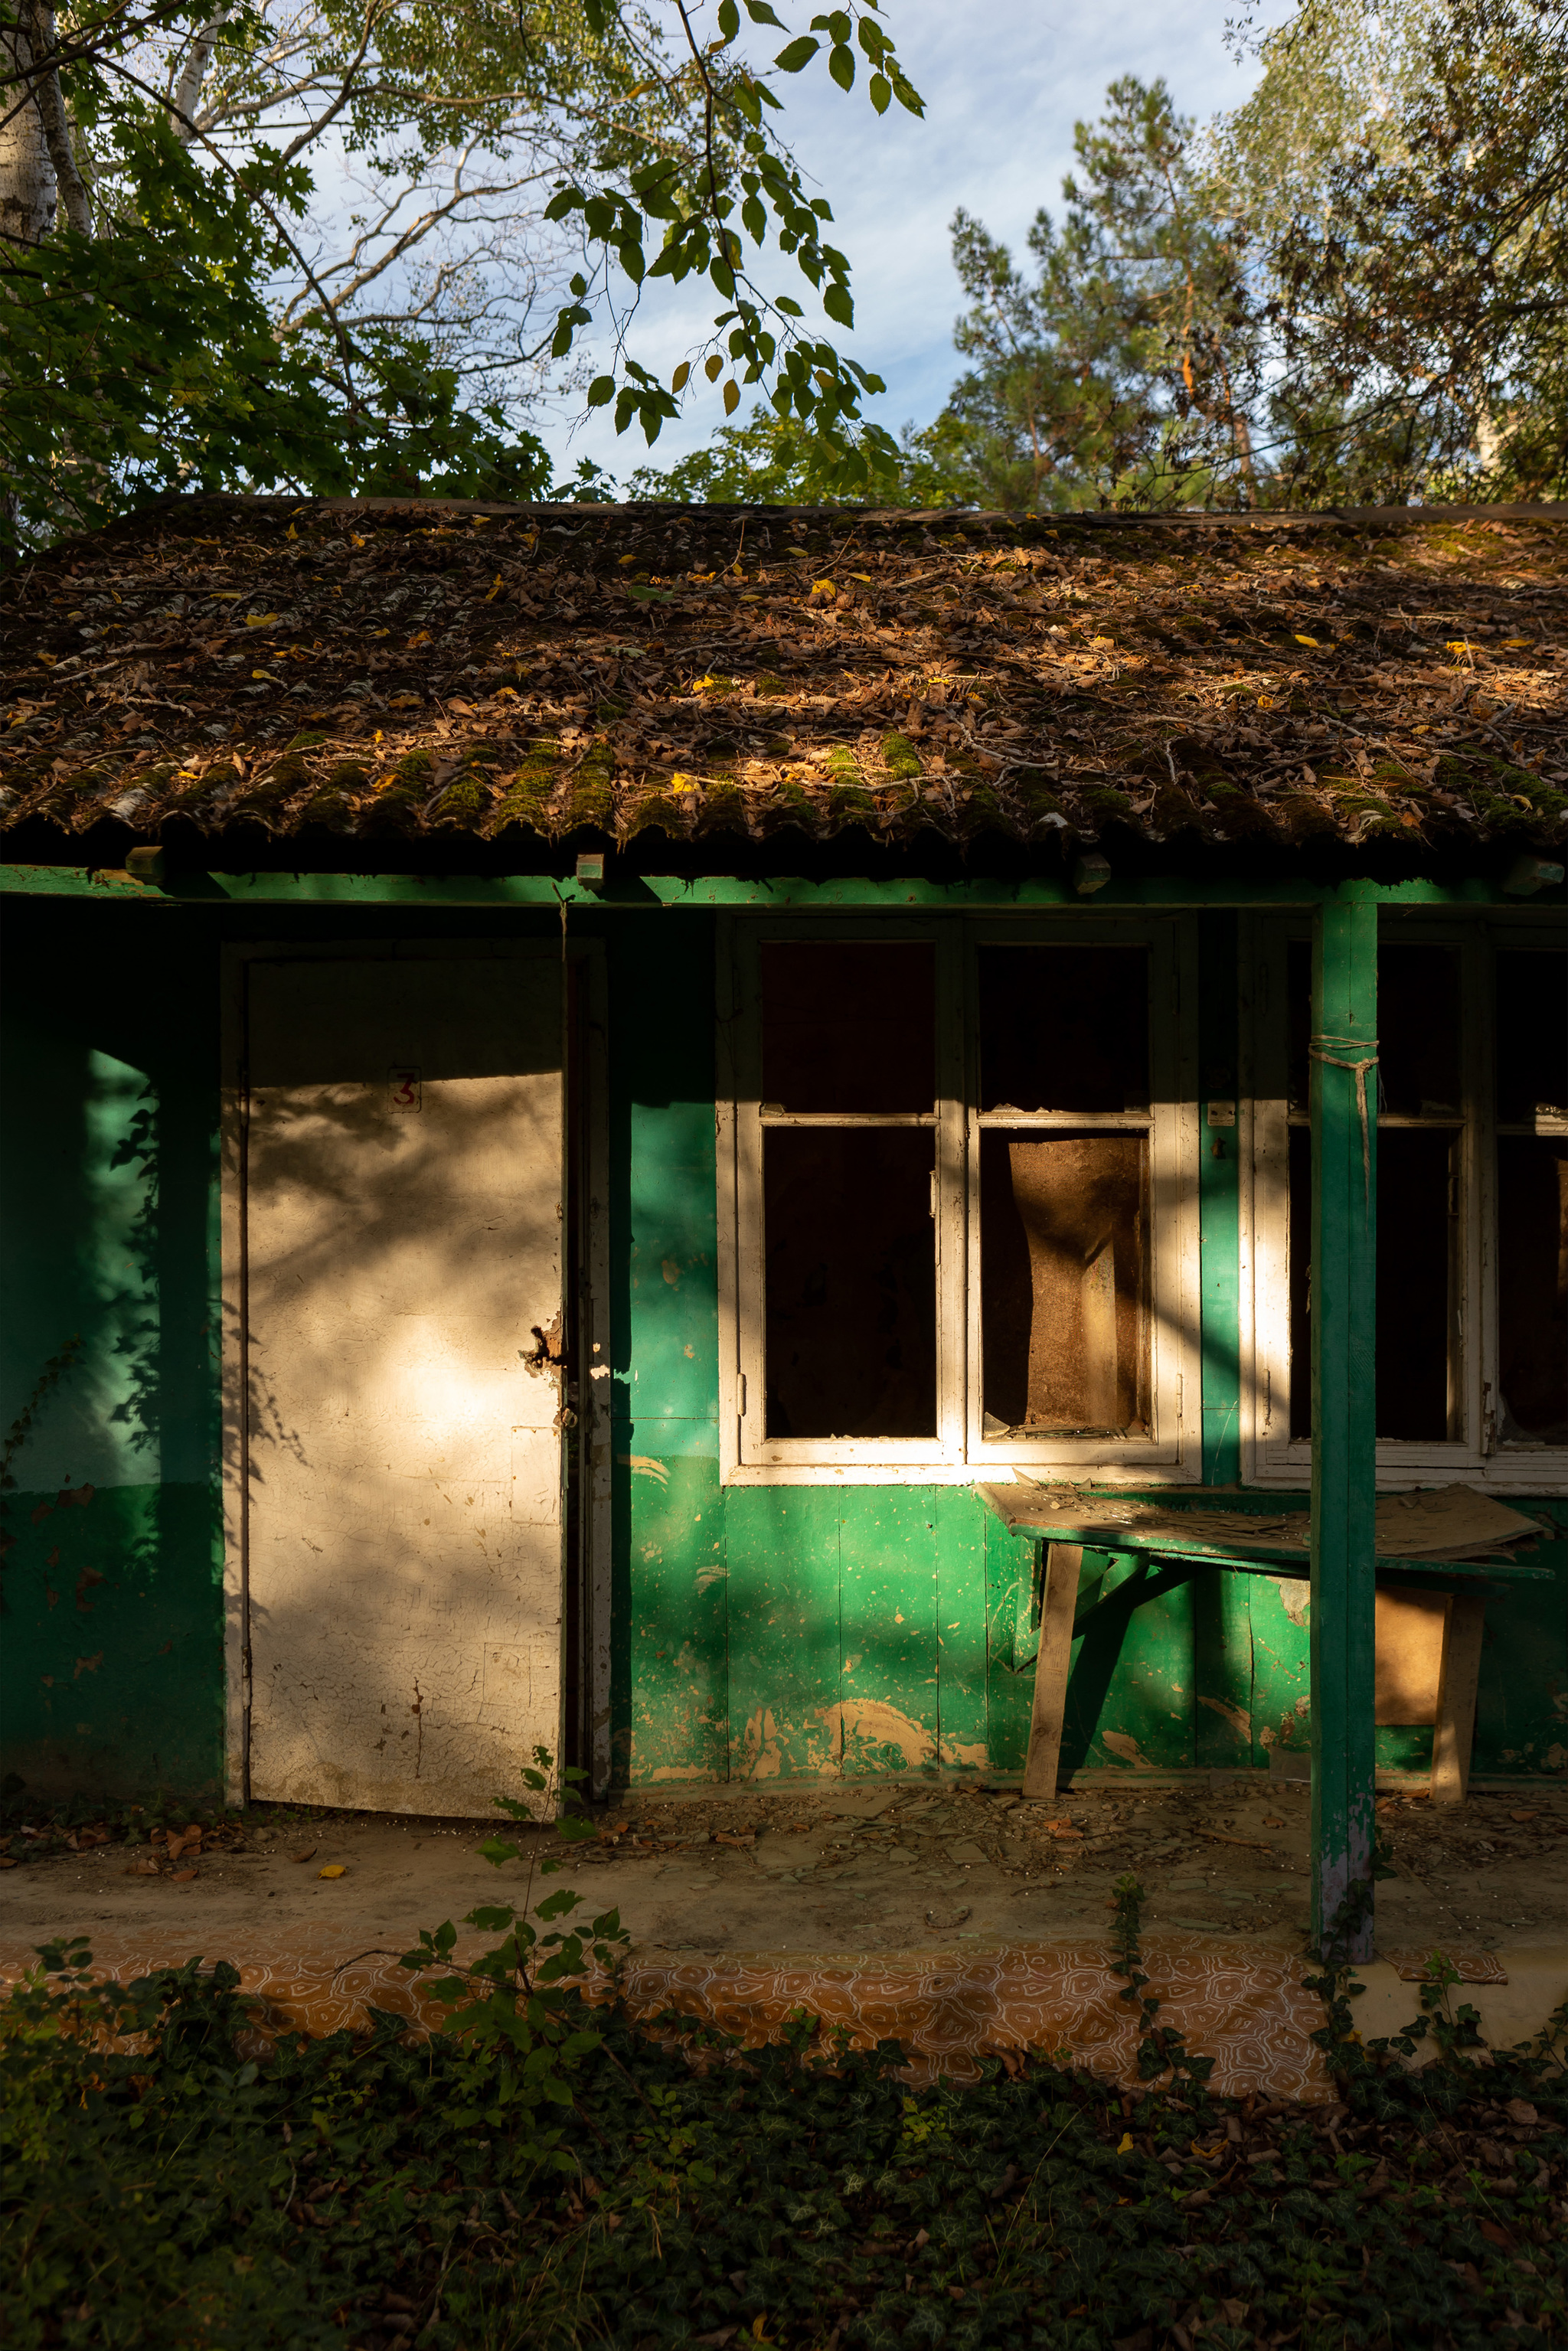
[1003, 83]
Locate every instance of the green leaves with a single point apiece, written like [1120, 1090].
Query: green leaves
[152, 354]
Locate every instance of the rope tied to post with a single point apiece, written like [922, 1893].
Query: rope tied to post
[1358, 1069]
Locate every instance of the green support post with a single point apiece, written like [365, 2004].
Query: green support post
[1345, 1483]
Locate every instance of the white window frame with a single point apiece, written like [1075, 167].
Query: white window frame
[960, 1452]
[1270, 1456]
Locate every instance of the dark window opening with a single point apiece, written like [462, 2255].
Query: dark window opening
[1417, 1191]
[1531, 1035]
[851, 1282]
[1417, 1208]
[1418, 1029]
[1418, 1032]
[1065, 1284]
[1533, 1289]
[1417, 1187]
[1064, 1028]
[849, 1027]
[1299, 1246]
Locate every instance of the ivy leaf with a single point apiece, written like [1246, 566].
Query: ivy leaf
[797, 54]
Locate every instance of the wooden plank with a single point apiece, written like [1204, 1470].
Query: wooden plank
[1343, 1109]
[1412, 1634]
[1456, 1726]
[1063, 1565]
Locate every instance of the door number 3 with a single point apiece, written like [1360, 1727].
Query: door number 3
[403, 1086]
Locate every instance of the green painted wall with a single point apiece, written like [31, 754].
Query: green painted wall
[760, 1633]
[112, 1629]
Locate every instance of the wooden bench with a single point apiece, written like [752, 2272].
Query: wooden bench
[1441, 1598]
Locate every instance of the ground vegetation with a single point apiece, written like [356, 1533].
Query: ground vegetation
[179, 2169]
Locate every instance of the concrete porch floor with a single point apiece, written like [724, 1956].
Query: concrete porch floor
[888, 1880]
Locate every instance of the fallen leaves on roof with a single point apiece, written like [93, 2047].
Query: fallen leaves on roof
[343, 675]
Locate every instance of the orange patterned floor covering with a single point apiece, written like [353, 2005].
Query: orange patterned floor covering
[1246, 2009]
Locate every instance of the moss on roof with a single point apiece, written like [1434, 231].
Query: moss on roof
[245, 672]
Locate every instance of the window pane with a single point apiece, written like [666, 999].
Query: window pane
[1532, 1286]
[1064, 1028]
[849, 1027]
[1417, 1028]
[1298, 1021]
[1418, 1031]
[1065, 1283]
[1531, 1033]
[1416, 1230]
[1416, 1189]
[851, 1282]
[1301, 1278]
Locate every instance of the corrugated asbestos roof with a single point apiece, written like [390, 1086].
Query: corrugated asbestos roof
[343, 678]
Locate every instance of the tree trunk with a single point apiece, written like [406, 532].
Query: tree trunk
[50, 99]
[193, 73]
[29, 190]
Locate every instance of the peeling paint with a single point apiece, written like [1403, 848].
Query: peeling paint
[1126, 1748]
[856, 1724]
[760, 1745]
[965, 1755]
[1295, 1596]
[1238, 1719]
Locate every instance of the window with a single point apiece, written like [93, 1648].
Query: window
[1471, 1193]
[959, 1223]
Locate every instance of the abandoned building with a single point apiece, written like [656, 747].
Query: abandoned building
[749, 1145]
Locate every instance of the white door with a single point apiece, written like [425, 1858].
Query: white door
[400, 1210]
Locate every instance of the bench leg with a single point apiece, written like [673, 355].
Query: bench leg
[1063, 1564]
[1454, 1730]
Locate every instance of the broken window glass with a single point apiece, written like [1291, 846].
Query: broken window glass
[1064, 1211]
[1065, 1283]
[850, 1284]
